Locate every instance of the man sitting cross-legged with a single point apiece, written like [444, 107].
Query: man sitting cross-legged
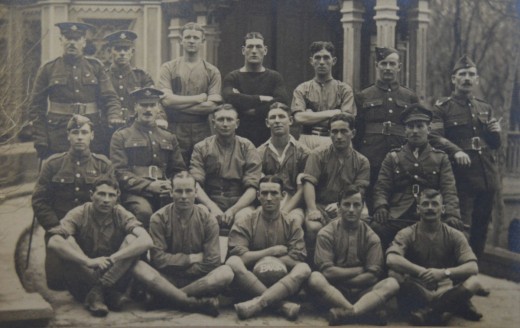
[99, 243]
[350, 260]
[186, 252]
[427, 256]
[270, 243]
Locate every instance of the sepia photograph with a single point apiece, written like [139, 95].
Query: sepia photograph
[284, 163]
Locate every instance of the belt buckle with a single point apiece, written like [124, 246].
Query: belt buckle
[386, 128]
[415, 190]
[476, 144]
[152, 172]
[79, 108]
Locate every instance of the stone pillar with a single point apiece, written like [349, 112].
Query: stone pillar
[386, 19]
[175, 38]
[209, 49]
[419, 19]
[52, 12]
[152, 34]
[352, 20]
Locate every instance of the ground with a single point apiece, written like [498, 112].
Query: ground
[500, 309]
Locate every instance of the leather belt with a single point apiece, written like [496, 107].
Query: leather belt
[475, 143]
[151, 172]
[386, 128]
[73, 108]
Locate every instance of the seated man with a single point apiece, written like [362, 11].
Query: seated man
[407, 170]
[270, 243]
[228, 167]
[64, 183]
[428, 257]
[284, 156]
[144, 157]
[329, 170]
[99, 243]
[350, 261]
[316, 101]
[186, 253]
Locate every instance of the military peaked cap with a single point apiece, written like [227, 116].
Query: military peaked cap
[121, 38]
[463, 62]
[74, 29]
[416, 112]
[146, 95]
[383, 52]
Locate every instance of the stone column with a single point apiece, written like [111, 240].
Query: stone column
[209, 50]
[419, 19]
[352, 20]
[152, 34]
[175, 38]
[52, 12]
[386, 19]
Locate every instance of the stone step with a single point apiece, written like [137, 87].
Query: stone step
[18, 163]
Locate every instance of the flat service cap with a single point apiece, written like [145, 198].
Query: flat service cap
[121, 38]
[146, 95]
[74, 29]
[383, 52]
[416, 112]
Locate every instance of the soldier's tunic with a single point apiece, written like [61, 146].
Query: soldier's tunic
[226, 172]
[255, 233]
[347, 248]
[401, 179]
[138, 151]
[463, 123]
[126, 80]
[64, 183]
[64, 82]
[174, 240]
[378, 129]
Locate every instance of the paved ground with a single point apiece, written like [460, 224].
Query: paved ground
[501, 309]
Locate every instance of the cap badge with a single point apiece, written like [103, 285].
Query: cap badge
[122, 36]
[147, 93]
[74, 28]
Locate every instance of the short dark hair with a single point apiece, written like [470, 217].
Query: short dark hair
[351, 191]
[429, 193]
[105, 181]
[271, 178]
[225, 107]
[184, 175]
[318, 45]
[281, 106]
[253, 35]
[343, 117]
[193, 26]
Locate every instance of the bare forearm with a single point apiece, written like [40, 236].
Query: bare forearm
[401, 265]
[309, 194]
[171, 100]
[288, 261]
[247, 198]
[135, 248]
[309, 117]
[464, 271]
[204, 108]
[293, 201]
[253, 256]
[67, 249]
[335, 273]
[362, 280]
[204, 198]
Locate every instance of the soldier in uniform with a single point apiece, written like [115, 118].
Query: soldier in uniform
[330, 169]
[192, 91]
[271, 244]
[145, 157]
[472, 135]
[350, 262]
[65, 182]
[124, 77]
[316, 101]
[407, 170]
[72, 84]
[379, 106]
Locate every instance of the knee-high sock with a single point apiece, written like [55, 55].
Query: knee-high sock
[211, 284]
[452, 300]
[285, 287]
[247, 281]
[369, 301]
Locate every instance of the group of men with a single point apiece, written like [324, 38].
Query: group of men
[195, 158]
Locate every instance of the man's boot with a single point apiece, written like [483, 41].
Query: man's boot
[204, 305]
[290, 310]
[95, 303]
[468, 311]
[114, 299]
[249, 308]
[341, 316]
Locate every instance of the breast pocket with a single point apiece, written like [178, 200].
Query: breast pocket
[89, 79]
[373, 110]
[57, 80]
